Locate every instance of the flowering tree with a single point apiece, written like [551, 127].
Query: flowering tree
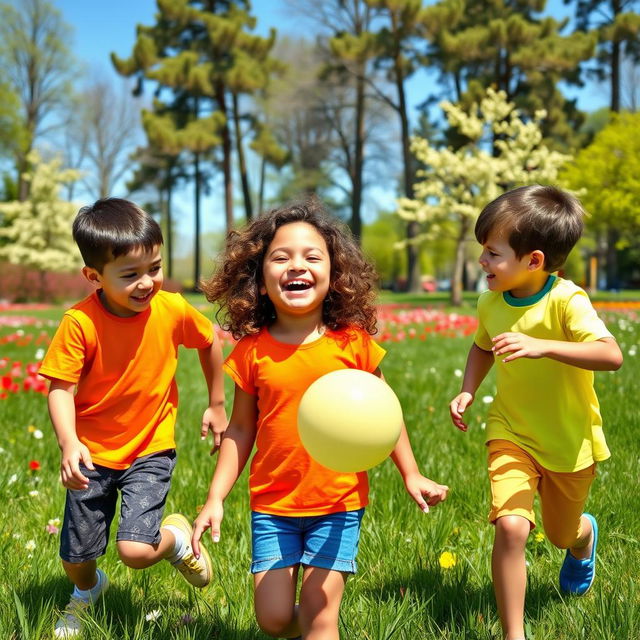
[36, 232]
[502, 152]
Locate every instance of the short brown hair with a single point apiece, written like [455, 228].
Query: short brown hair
[112, 227]
[534, 217]
[235, 285]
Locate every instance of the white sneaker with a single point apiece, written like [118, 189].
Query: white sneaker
[196, 571]
[70, 622]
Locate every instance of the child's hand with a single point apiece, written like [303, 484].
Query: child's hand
[70, 474]
[457, 408]
[518, 345]
[210, 517]
[420, 488]
[214, 419]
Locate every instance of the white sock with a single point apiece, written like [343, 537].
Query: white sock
[89, 595]
[180, 545]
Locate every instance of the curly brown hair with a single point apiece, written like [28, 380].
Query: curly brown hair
[236, 283]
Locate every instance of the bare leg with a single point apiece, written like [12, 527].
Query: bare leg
[583, 546]
[275, 602]
[82, 574]
[140, 555]
[320, 599]
[510, 573]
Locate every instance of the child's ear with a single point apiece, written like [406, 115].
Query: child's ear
[92, 275]
[263, 290]
[536, 260]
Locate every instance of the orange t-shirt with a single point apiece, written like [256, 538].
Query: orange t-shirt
[284, 479]
[126, 396]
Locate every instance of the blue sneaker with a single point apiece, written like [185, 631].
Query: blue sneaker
[576, 576]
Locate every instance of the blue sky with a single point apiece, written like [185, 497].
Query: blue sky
[101, 27]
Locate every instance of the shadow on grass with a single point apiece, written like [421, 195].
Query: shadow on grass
[117, 616]
[453, 601]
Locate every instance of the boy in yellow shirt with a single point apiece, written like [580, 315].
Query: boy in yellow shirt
[113, 402]
[544, 430]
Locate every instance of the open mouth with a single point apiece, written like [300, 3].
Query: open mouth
[297, 285]
[143, 298]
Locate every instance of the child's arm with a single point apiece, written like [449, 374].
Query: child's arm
[479, 362]
[234, 452]
[596, 355]
[417, 485]
[63, 418]
[215, 417]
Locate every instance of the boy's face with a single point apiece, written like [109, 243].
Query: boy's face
[505, 271]
[128, 282]
[296, 269]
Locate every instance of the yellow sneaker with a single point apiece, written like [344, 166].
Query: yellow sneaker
[196, 571]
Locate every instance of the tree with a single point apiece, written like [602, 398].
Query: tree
[618, 27]
[37, 232]
[455, 184]
[505, 45]
[606, 174]
[38, 64]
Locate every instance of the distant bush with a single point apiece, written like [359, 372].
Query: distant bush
[19, 284]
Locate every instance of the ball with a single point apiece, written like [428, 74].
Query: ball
[349, 420]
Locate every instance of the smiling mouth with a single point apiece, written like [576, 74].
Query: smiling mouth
[143, 298]
[297, 285]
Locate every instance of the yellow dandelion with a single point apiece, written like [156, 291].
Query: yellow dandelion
[31, 428]
[447, 560]
[456, 531]
[539, 537]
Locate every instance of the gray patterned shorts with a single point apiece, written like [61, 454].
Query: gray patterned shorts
[88, 513]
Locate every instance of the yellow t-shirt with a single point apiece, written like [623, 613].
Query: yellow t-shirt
[284, 480]
[126, 395]
[548, 408]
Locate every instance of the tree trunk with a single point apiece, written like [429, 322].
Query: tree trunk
[615, 76]
[196, 233]
[613, 235]
[358, 160]
[242, 165]
[263, 171]
[226, 157]
[169, 219]
[458, 266]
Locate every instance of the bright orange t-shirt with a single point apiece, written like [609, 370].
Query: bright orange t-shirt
[284, 479]
[126, 395]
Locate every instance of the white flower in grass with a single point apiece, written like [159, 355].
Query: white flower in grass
[34, 493]
[483, 426]
[38, 435]
[2, 451]
[152, 616]
[39, 354]
[12, 478]
[458, 373]
[487, 399]
[632, 351]
[31, 545]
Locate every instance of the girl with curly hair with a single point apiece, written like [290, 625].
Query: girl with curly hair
[298, 292]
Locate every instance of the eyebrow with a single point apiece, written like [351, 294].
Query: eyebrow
[288, 250]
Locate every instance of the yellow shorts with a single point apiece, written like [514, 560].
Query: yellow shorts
[516, 477]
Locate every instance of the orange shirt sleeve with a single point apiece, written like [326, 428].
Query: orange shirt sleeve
[197, 330]
[239, 365]
[66, 355]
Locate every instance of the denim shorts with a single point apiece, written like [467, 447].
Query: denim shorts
[88, 513]
[328, 541]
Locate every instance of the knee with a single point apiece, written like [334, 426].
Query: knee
[513, 531]
[136, 555]
[273, 623]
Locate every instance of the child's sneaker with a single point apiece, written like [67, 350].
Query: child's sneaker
[196, 571]
[70, 622]
[576, 576]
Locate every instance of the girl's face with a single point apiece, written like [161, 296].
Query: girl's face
[296, 269]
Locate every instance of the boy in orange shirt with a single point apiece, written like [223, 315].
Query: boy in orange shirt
[113, 402]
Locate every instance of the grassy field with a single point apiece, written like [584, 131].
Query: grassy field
[406, 588]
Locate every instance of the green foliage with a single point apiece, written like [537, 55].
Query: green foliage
[37, 231]
[606, 175]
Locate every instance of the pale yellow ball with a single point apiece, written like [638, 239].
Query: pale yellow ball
[349, 420]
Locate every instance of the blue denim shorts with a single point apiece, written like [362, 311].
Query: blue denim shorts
[329, 541]
[88, 513]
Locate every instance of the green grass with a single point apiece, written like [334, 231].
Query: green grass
[400, 592]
